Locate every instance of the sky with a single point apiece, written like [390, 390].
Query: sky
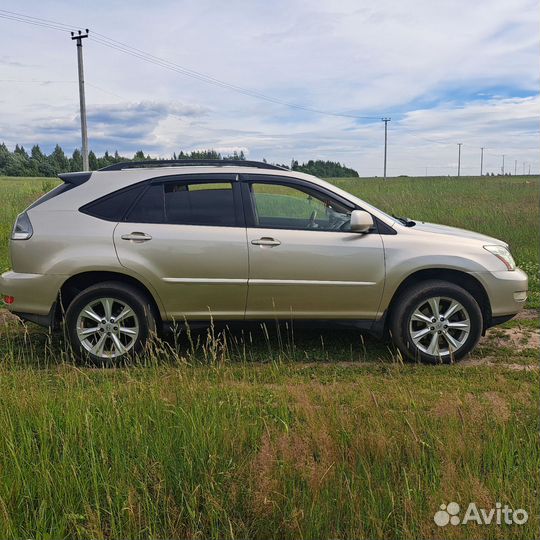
[445, 72]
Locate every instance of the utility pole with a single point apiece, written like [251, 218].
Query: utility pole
[481, 161]
[515, 167]
[385, 120]
[529, 169]
[84, 132]
[459, 159]
[502, 168]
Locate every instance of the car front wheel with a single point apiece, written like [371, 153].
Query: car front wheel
[109, 323]
[436, 322]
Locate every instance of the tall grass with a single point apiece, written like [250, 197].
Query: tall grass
[206, 443]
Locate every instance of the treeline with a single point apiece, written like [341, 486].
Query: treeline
[326, 169]
[36, 163]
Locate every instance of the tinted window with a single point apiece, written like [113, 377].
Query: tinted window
[186, 204]
[113, 207]
[284, 207]
[150, 207]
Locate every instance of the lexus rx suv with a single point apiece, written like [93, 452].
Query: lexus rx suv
[118, 254]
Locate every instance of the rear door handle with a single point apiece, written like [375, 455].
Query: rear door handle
[266, 241]
[137, 237]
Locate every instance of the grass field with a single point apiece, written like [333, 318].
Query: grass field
[275, 434]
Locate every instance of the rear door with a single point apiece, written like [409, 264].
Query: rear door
[186, 235]
[304, 260]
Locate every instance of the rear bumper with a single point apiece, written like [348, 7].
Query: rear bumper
[507, 291]
[34, 294]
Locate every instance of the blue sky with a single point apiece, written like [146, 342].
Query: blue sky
[444, 71]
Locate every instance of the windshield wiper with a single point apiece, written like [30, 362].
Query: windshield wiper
[406, 221]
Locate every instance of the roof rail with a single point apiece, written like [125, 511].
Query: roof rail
[190, 162]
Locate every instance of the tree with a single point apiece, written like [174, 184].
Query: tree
[39, 163]
[4, 156]
[92, 161]
[17, 165]
[76, 161]
[327, 169]
[58, 160]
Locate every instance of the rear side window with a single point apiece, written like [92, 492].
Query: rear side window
[187, 204]
[113, 207]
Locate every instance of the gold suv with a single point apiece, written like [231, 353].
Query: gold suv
[120, 253]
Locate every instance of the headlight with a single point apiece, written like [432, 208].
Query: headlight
[504, 255]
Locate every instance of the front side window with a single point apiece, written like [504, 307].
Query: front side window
[279, 206]
[186, 204]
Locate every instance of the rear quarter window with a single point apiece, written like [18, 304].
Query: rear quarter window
[113, 207]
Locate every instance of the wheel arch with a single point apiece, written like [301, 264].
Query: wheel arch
[457, 277]
[81, 281]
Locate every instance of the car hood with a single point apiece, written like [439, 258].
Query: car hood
[435, 228]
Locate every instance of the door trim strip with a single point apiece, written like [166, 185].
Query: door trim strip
[309, 282]
[203, 281]
[232, 281]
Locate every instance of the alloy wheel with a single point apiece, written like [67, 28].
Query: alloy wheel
[439, 326]
[107, 327]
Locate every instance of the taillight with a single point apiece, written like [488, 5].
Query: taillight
[22, 229]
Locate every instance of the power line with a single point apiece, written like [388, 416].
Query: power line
[35, 23]
[167, 64]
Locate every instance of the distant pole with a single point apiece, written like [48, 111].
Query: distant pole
[385, 120]
[502, 168]
[459, 159]
[82, 100]
[529, 169]
[482, 161]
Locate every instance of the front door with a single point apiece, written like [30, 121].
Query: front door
[187, 238]
[303, 260]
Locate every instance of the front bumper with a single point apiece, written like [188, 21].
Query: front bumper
[507, 291]
[33, 293]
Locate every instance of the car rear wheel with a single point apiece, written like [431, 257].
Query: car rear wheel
[436, 322]
[109, 323]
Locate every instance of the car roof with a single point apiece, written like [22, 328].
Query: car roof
[103, 182]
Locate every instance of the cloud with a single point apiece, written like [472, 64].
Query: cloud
[141, 113]
[446, 72]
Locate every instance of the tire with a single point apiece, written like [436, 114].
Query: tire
[426, 325]
[117, 338]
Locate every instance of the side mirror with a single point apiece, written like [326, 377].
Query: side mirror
[361, 221]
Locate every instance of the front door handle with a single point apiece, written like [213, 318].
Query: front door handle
[137, 237]
[266, 241]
